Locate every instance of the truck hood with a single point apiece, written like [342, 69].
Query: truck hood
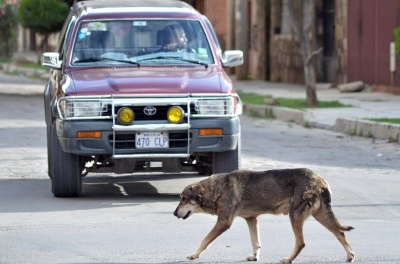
[145, 80]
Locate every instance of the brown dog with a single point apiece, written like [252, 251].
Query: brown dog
[298, 193]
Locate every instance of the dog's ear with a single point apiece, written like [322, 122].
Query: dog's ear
[199, 198]
[198, 191]
[199, 194]
[201, 189]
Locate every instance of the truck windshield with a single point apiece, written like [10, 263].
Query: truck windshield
[131, 41]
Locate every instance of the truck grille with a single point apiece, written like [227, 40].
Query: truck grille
[127, 140]
[161, 113]
[103, 107]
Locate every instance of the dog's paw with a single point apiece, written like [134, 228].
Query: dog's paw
[285, 260]
[251, 258]
[350, 258]
[192, 257]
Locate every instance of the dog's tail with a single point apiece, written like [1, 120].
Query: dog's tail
[328, 212]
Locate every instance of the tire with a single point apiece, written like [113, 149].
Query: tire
[49, 162]
[226, 161]
[66, 181]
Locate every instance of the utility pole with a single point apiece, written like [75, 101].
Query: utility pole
[242, 36]
[230, 38]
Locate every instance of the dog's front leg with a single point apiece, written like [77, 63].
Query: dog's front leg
[252, 222]
[220, 227]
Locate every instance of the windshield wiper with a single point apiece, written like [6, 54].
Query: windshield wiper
[106, 59]
[175, 58]
[194, 61]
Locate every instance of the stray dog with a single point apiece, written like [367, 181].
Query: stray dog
[298, 193]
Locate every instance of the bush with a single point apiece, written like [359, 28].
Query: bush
[396, 34]
[42, 16]
[8, 27]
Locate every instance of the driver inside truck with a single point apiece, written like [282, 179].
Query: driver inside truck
[175, 39]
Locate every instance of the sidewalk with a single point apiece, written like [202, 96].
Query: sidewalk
[347, 120]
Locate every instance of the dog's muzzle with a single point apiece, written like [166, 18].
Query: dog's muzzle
[185, 217]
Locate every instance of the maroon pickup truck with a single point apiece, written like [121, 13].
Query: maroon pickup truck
[139, 86]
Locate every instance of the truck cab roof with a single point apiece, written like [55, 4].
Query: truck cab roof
[139, 8]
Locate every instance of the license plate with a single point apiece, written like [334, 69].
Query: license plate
[152, 140]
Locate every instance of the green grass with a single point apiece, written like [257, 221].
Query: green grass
[385, 120]
[295, 103]
[22, 63]
[36, 76]
[13, 73]
[5, 60]
[251, 98]
[30, 65]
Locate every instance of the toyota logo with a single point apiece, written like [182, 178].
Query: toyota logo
[150, 110]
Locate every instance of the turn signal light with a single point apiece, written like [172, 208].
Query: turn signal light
[89, 134]
[210, 131]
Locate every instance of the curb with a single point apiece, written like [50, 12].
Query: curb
[368, 129]
[18, 89]
[280, 113]
[353, 127]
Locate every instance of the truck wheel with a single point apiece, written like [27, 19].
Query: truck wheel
[66, 181]
[49, 152]
[226, 161]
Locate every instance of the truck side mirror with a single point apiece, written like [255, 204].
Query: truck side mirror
[51, 60]
[232, 58]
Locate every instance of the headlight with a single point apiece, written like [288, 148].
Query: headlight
[239, 107]
[214, 106]
[71, 108]
[84, 109]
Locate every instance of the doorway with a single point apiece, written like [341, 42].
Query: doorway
[329, 64]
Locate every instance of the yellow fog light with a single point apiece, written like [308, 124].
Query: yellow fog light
[175, 114]
[125, 115]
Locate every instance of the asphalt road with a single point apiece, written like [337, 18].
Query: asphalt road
[128, 219]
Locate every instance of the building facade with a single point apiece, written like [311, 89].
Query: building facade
[354, 35]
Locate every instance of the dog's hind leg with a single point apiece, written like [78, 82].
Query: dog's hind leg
[252, 222]
[220, 227]
[300, 209]
[297, 220]
[339, 234]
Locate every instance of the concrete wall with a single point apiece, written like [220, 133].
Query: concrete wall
[217, 12]
[222, 14]
[24, 40]
[285, 58]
